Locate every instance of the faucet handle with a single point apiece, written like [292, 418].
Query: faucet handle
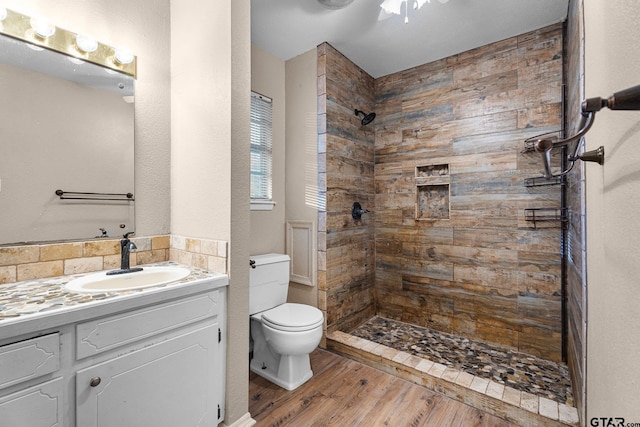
[126, 235]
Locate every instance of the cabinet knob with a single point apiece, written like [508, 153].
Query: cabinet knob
[95, 381]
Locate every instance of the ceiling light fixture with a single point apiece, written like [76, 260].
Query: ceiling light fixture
[3, 13]
[335, 4]
[390, 7]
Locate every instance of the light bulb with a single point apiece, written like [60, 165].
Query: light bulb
[86, 44]
[123, 56]
[42, 27]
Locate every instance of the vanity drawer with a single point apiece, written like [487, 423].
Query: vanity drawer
[107, 333]
[41, 405]
[28, 359]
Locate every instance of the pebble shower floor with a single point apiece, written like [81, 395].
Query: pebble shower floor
[517, 370]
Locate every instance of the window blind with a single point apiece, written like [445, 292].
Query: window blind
[261, 125]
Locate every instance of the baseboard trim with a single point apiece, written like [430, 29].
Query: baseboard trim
[243, 421]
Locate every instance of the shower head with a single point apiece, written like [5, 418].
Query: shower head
[544, 146]
[366, 118]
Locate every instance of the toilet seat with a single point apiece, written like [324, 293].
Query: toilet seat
[293, 317]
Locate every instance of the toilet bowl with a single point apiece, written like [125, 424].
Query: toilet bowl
[281, 348]
[283, 334]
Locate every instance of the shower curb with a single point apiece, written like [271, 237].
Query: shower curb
[505, 402]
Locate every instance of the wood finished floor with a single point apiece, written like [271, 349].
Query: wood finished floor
[347, 393]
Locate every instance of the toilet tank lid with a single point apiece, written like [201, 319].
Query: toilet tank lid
[269, 258]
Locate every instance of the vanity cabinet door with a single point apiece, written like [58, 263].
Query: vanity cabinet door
[169, 384]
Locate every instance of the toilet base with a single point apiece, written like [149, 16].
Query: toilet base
[289, 372]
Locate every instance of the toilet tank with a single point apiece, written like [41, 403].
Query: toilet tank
[268, 282]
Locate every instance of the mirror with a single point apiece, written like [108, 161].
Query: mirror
[65, 125]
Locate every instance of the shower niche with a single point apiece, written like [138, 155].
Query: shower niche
[433, 184]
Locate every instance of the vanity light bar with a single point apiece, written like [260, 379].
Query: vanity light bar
[19, 26]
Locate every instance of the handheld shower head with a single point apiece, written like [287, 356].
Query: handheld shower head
[366, 118]
[544, 146]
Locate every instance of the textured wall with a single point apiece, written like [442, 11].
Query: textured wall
[346, 171]
[209, 155]
[302, 154]
[483, 272]
[200, 120]
[268, 227]
[237, 385]
[576, 257]
[612, 63]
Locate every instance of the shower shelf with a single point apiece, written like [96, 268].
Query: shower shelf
[433, 192]
[528, 146]
[537, 215]
[541, 181]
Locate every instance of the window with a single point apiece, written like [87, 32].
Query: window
[261, 107]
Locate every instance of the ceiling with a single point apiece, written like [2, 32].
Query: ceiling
[287, 28]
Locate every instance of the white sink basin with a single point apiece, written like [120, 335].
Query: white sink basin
[149, 276]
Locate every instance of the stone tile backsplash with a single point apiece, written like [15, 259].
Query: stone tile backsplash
[29, 262]
[202, 253]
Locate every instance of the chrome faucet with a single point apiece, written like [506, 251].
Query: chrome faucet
[126, 246]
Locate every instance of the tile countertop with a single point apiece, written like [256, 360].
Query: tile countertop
[32, 305]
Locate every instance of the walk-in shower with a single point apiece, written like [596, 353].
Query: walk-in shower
[468, 303]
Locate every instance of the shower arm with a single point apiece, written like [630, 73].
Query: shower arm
[627, 99]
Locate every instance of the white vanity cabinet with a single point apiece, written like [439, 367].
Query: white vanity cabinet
[168, 384]
[160, 365]
[171, 379]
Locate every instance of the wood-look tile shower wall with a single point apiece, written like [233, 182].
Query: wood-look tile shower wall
[346, 166]
[576, 232]
[483, 272]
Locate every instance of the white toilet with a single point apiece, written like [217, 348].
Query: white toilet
[283, 333]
